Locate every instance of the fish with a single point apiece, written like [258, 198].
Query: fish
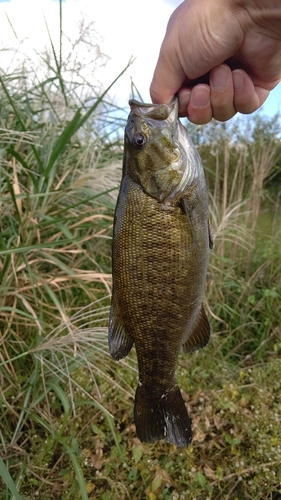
[160, 251]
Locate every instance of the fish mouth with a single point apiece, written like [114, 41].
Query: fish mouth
[156, 111]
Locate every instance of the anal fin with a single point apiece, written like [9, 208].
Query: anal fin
[119, 342]
[199, 335]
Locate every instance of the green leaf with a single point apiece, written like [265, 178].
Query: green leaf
[272, 293]
[78, 473]
[4, 473]
[156, 483]
[33, 248]
[137, 453]
[75, 124]
[21, 160]
[62, 396]
[235, 441]
[200, 478]
[63, 139]
[252, 299]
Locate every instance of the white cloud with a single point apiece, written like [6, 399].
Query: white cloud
[126, 29]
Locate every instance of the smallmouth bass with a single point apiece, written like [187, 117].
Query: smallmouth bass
[160, 253]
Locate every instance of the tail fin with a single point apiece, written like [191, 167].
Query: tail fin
[164, 418]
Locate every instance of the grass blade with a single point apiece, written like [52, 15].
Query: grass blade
[78, 472]
[24, 249]
[8, 481]
[64, 138]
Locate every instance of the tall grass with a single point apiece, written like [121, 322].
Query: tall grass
[66, 427]
[60, 168]
[244, 274]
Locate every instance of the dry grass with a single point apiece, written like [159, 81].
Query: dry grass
[66, 428]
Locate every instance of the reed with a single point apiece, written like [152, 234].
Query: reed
[244, 267]
[60, 168]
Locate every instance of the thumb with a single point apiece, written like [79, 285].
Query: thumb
[167, 79]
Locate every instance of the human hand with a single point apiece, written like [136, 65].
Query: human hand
[221, 57]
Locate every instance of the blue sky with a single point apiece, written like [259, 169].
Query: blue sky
[273, 103]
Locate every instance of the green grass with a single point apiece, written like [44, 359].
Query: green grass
[66, 427]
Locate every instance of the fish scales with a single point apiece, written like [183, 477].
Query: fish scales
[159, 259]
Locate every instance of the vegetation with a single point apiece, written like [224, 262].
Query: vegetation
[66, 424]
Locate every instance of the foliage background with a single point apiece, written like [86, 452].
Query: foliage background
[66, 424]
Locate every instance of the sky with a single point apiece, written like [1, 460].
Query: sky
[122, 29]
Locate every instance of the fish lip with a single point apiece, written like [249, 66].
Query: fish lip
[155, 111]
[149, 113]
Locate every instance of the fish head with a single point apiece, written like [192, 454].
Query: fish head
[158, 152]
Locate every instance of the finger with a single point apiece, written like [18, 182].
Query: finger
[222, 93]
[199, 109]
[184, 96]
[247, 97]
[163, 94]
[168, 77]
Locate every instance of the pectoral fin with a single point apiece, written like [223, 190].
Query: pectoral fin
[200, 333]
[119, 342]
[211, 241]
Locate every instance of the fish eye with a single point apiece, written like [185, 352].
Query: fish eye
[139, 141]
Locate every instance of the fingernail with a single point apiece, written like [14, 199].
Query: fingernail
[219, 78]
[200, 96]
[238, 79]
